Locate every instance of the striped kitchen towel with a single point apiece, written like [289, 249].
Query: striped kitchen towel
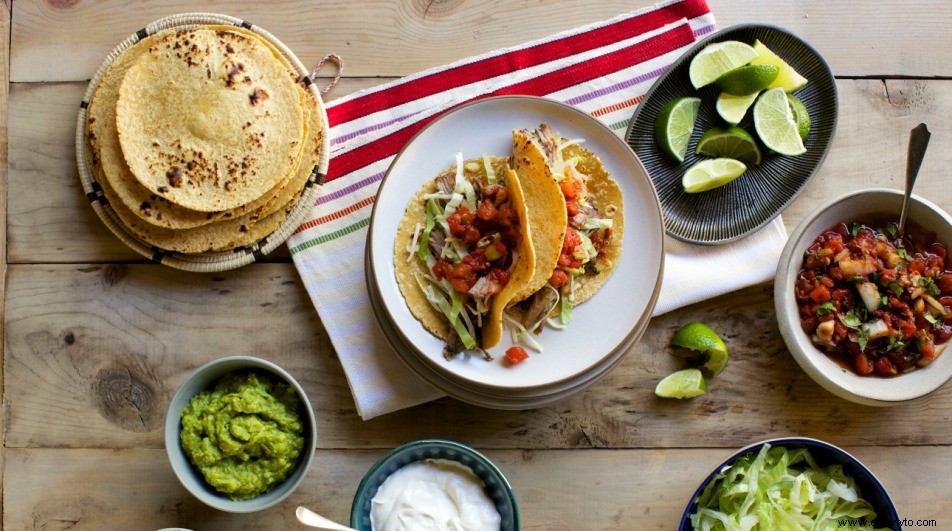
[604, 69]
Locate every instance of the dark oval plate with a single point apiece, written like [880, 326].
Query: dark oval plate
[755, 198]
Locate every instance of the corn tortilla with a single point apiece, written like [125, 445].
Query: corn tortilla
[226, 234]
[210, 119]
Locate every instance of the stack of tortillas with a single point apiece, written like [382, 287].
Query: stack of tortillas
[203, 138]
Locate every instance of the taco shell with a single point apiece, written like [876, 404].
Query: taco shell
[548, 217]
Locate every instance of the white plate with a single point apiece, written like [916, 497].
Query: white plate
[508, 399]
[601, 326]
[516, 401]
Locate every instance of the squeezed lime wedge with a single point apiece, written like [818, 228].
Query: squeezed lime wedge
[700, 338]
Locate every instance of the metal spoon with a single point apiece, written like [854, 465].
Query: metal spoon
[918, 142]
[310, 518]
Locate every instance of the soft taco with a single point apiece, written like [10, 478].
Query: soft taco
[579, 209]
[463, 250]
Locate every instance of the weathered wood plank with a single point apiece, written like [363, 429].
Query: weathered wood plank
[414, 35]
[52, 218]
[95, 353]
[50, 221]
[4, 102]
[609, 490]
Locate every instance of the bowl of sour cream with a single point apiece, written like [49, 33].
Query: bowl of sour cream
[434, 484]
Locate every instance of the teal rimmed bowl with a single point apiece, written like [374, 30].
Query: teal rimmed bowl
[497, 487]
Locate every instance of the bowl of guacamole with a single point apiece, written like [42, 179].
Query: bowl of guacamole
[240, 434]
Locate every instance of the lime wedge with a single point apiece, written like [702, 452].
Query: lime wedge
[675, 124]
[717, 59]
[700, 338]
[787, 78]
[775, 125]
[733, 108]
[686, 383]
[800, 115]
[747, 80]
[712, 173]
[733, 143]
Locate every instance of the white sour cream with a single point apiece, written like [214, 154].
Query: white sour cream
[434, 494]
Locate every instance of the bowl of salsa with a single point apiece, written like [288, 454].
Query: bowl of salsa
[864, 309]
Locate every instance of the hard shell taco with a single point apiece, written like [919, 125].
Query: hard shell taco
[463, 250]
[578, 208]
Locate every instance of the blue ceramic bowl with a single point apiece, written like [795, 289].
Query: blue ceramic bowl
[497, 487]
[825, 454]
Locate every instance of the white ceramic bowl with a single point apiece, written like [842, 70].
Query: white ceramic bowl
[866, 390]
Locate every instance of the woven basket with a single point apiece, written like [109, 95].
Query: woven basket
[212, 261]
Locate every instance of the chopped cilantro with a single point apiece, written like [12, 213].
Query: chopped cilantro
[885, 300]
[863, 339]
[895, 344]
[895, 288]
[851, 320]
[892, 230]
[856, 228]
[929, 284]
[856, 278]
[825, 308]
[901, 251]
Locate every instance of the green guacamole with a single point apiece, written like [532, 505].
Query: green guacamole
[245, 435]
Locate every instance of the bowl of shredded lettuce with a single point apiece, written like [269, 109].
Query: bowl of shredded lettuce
[790, 483]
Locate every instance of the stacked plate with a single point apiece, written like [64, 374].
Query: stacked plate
[603, 329]
[200, 141]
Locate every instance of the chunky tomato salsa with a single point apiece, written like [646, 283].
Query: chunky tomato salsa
[876, 301]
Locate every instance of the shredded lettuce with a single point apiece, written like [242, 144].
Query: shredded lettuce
[781, 488]
[431, 213]
[490, 173]
[565, 315]
[451, 309]
[597, 223]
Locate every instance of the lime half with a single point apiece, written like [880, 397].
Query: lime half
[775, 125]
[675, 124]
[733, 143]
[700, 338]
[717, 59]
[800, 115]
[788, 78]
[712, 173]
[686, 383]
[733, 108]
[747, 80]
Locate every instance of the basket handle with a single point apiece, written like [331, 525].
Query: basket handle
[334, 58]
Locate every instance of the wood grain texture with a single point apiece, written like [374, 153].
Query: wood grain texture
[412, 35]
[95, 353]
[609, 490]
[4, 99]
[51, 221]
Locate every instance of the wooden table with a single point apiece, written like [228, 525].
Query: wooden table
[97, 340]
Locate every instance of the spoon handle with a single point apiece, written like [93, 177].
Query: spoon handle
[310, 518]
[918, 142]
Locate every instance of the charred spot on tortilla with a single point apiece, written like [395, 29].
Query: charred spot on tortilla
[463, 249]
